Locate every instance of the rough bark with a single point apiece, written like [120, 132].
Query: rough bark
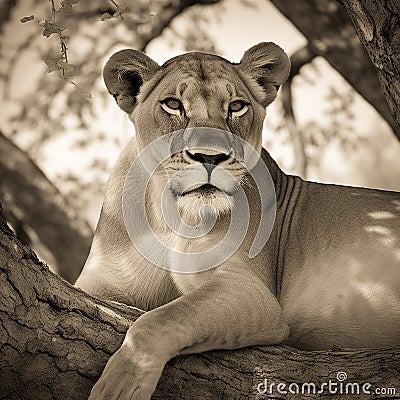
[41, 206]
[55, 341]
[377, 23]
[331, 35]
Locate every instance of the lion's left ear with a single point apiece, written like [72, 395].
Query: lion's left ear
[267, 64]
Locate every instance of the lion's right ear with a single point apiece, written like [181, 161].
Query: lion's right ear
[268, 65]
[124, 74]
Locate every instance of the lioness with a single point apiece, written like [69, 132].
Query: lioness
[328, 275]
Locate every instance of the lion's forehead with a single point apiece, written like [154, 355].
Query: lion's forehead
[199, 64]
[202, 71]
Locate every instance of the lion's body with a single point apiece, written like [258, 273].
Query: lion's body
[329, 274]
[336, 272]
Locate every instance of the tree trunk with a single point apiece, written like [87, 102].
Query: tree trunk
[331, 35]
[55, 341]
[377, 23]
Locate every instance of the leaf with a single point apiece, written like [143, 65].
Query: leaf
[49, 28]
[118, 14]
[105, 16]
[66, 9]
[26, 19]
[52, 64]
[121, 12]
[66, 5]
[67, 68]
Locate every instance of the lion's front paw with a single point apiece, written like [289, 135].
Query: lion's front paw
[128, 375]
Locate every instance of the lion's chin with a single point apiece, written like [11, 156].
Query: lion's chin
[190, 203]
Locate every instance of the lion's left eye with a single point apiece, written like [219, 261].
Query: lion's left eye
[238, 108]
[172, 105]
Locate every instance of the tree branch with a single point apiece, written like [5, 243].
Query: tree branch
[6, 7]
[165, 16]
[331, 35]
[44, 209]
[18, 227]
[300, 58]
[13, 62]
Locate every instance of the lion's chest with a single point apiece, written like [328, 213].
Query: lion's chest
[190, 264]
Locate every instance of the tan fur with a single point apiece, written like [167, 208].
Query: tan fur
[329, 274]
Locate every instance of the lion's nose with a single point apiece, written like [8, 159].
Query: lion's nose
[211, 159]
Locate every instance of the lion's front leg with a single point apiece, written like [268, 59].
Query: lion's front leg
[232, 310]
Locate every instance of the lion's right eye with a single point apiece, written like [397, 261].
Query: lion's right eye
[172, 106]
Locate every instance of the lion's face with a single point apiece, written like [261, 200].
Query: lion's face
[188, 94]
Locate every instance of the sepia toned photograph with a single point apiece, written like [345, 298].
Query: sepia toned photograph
[199, 199]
